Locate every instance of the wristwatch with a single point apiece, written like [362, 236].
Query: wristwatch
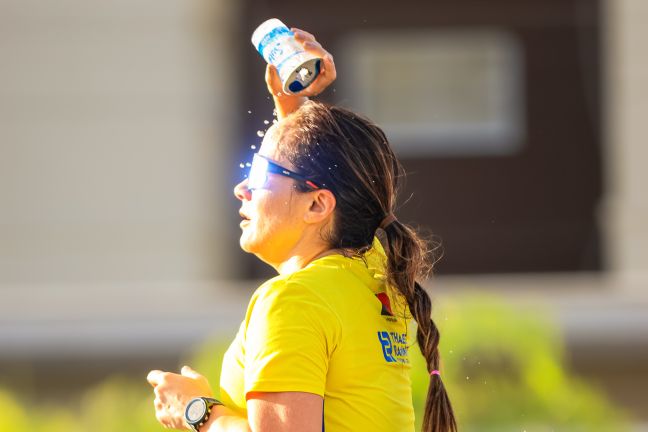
[198, 410]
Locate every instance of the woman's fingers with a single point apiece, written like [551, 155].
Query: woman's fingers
[314, 47]
[317, 50]
[302, 35]
[154, 377]
[326, 76]
[189, 372]
[272, 80]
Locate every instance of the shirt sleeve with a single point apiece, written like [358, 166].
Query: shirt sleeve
[290, 336]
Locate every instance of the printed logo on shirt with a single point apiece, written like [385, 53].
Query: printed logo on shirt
[394, 347]
[386, 306]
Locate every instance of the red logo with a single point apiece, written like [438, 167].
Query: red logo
[386, 306]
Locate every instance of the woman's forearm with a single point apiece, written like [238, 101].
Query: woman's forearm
[224, 419]
[287, 104]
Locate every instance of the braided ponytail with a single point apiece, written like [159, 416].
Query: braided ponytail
[406, 261]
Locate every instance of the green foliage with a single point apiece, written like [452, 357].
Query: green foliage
[117, 404]
[504, 370]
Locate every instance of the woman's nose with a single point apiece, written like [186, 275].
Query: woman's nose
[242, 192]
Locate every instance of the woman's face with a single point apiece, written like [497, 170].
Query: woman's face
[272, 222]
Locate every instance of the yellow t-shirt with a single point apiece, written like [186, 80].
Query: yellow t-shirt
[327, 329]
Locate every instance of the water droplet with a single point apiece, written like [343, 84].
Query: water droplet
[266, 122]
[274, 112]
[260, 133]
[241, 165]
[253, 147]
[249, 112]
[248, 164]
[467, 377]
[274, 121]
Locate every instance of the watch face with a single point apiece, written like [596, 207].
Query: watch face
[196, 410]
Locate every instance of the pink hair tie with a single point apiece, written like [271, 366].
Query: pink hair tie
[435, 372]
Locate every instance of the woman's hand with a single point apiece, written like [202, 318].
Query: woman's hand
[287, 103]
[173, 392]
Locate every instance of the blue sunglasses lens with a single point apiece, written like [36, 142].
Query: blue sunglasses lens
[258, 173]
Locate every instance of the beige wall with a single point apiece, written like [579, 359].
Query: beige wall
[113, 132]
[626, 153]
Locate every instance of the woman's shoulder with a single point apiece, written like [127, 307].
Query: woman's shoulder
[298, 287]
[293, 296]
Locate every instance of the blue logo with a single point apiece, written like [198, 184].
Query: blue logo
[386, 343]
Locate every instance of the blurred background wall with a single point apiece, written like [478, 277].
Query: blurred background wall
[122, 126]
[116, 134]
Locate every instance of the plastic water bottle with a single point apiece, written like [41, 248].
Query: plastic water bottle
[277, 45]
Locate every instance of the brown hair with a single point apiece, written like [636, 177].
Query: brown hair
[349, 155]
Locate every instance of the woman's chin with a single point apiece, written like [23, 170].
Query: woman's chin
[246, 243]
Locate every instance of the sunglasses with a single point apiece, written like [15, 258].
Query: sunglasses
[261, 167]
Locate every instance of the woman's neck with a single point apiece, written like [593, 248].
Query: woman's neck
[298, 261]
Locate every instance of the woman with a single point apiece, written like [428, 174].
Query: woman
[324, 345]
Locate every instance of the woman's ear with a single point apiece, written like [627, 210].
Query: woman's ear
[321, 207]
